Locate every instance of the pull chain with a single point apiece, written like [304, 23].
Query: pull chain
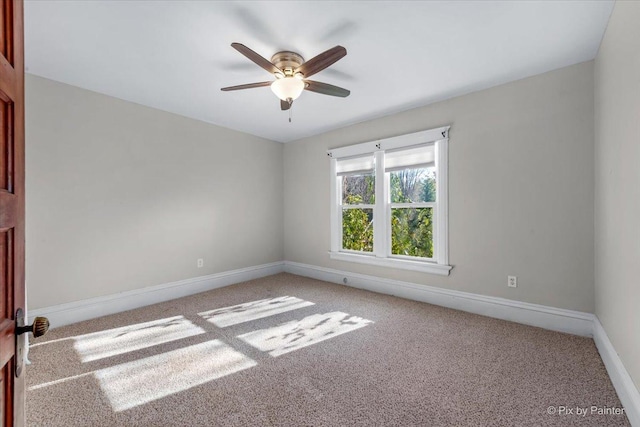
[290, 108]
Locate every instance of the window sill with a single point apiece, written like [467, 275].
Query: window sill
[421, 266]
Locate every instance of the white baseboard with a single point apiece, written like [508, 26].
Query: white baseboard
[77, 311]
[556, 319]
[626, 389]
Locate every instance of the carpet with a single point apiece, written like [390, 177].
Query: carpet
[292, 351]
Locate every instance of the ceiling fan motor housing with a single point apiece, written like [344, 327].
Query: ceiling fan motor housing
[287, 61]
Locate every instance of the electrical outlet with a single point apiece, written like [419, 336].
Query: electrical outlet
[200, 262]
[512, 281]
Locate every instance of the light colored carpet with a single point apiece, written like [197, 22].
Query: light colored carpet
[288, 350]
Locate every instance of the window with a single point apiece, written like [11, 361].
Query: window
[389, 202]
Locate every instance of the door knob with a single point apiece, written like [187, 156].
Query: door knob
[38, 328]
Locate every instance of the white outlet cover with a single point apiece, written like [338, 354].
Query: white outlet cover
[512, 281]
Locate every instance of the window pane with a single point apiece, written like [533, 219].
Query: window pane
[358, 189]
[357, 229]
[412, 232]
[413, 185]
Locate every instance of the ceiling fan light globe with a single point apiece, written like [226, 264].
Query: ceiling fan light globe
[287, 88]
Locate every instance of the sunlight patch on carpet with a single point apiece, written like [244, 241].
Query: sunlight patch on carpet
[135, 383]
[112, 342]
[236, 314]
[297, 334]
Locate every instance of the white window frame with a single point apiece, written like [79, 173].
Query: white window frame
[381, 255]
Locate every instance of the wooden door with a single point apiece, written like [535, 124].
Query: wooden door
[11, 208]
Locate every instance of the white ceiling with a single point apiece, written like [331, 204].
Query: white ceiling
[175, 56]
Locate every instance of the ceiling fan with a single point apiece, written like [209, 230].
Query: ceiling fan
[291, 73]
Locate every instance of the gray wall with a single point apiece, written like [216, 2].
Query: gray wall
[521, 189]
[617, 178]
[121, 196]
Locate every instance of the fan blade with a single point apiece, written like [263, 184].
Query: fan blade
[326, 89]
[322, 61]
[259, 60]
[247, 86]
[284, 105]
